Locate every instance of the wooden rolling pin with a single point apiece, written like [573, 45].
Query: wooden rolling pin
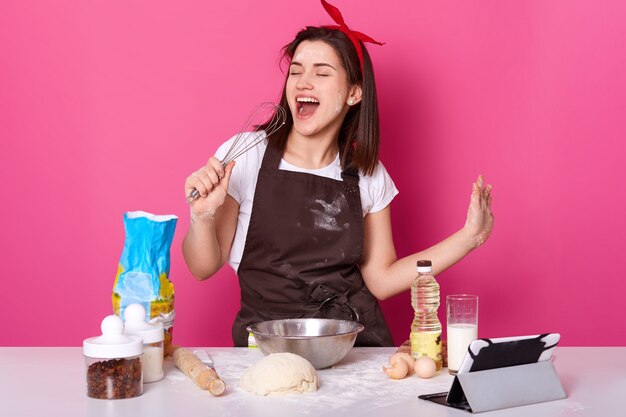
[204, 376]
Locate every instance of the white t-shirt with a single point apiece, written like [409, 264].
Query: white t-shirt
[376, 190]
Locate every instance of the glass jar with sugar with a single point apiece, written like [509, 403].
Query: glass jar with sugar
[151, 333]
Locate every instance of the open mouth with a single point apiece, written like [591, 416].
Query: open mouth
[306, 106]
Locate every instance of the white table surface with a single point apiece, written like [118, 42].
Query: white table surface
[40, 381]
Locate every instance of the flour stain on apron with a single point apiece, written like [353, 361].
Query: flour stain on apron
[325, 214]
[288, 270]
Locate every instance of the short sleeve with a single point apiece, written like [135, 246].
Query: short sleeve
[380, 190]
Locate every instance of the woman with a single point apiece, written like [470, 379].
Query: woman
[304, 218]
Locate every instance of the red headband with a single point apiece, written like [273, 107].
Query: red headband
[353, 35]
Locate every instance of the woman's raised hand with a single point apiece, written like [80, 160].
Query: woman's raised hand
[479, 221]
[211, 181]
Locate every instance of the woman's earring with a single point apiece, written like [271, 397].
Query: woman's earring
[350, 102]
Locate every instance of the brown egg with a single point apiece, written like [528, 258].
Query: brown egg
[397, 370]
[401, 356]
[425, 367]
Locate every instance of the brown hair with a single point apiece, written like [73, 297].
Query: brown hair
[359, 134]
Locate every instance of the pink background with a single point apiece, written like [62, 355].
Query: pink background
[106, 107]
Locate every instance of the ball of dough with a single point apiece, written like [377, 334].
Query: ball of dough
[280, 374]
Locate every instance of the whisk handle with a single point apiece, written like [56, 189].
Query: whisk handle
[193, 196]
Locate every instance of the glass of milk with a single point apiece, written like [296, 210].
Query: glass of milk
[462, 327]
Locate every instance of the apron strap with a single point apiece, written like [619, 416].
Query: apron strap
[350, 175]
[272, 157]
[327, 295]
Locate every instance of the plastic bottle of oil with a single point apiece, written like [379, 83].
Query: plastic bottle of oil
[426, 327]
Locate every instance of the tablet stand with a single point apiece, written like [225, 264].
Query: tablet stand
[512, 386]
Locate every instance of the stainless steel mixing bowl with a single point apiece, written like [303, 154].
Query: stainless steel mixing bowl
[323, 342]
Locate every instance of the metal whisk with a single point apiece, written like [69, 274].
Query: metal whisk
[268, 113]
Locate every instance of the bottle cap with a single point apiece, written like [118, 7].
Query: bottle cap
[112, 343]
[136, 325]
[424, 266]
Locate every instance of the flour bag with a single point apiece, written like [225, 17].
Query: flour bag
[144, 268]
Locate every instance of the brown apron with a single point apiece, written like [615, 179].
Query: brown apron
[302, 251]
